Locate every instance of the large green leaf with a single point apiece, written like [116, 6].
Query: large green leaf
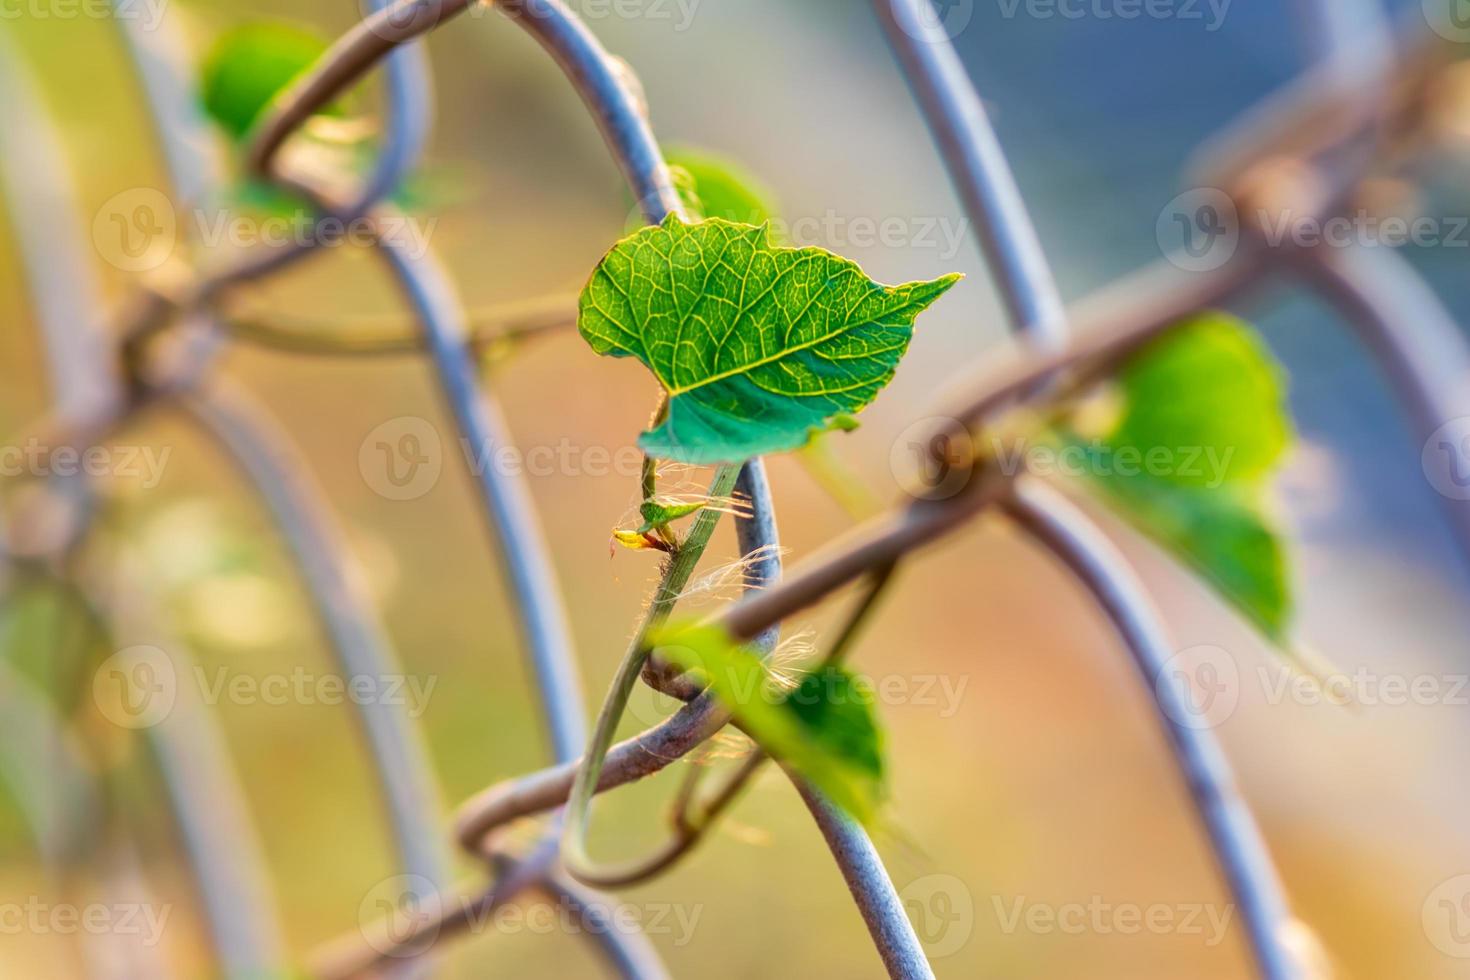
[1208, 402]
[824, 728]
[249, 65]
[757, 345]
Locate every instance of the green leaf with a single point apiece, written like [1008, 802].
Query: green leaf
[1203, 424]
[824, 729]
[1223, 533]
[1210, 386]
[656, 515]
[716, 187]
[756, 344]
[249, 65]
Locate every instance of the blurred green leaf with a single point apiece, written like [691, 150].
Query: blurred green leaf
[1222, 533]
[1203, 423]
[1211, 386]
[757, 345]
[824, 729]
[716, 187]
[247, 67]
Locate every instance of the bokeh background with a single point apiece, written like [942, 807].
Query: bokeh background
[1046, 781]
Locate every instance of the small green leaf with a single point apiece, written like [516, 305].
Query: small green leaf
[756, 344]
[249, 65]
[657, 515]
[1203, 423]
[716, 187]
[1210, 387]
[824, 729]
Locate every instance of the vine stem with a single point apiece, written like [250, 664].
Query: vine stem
[677, 571]
[694, 815]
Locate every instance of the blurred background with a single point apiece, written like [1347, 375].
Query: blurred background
[1027, 768]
